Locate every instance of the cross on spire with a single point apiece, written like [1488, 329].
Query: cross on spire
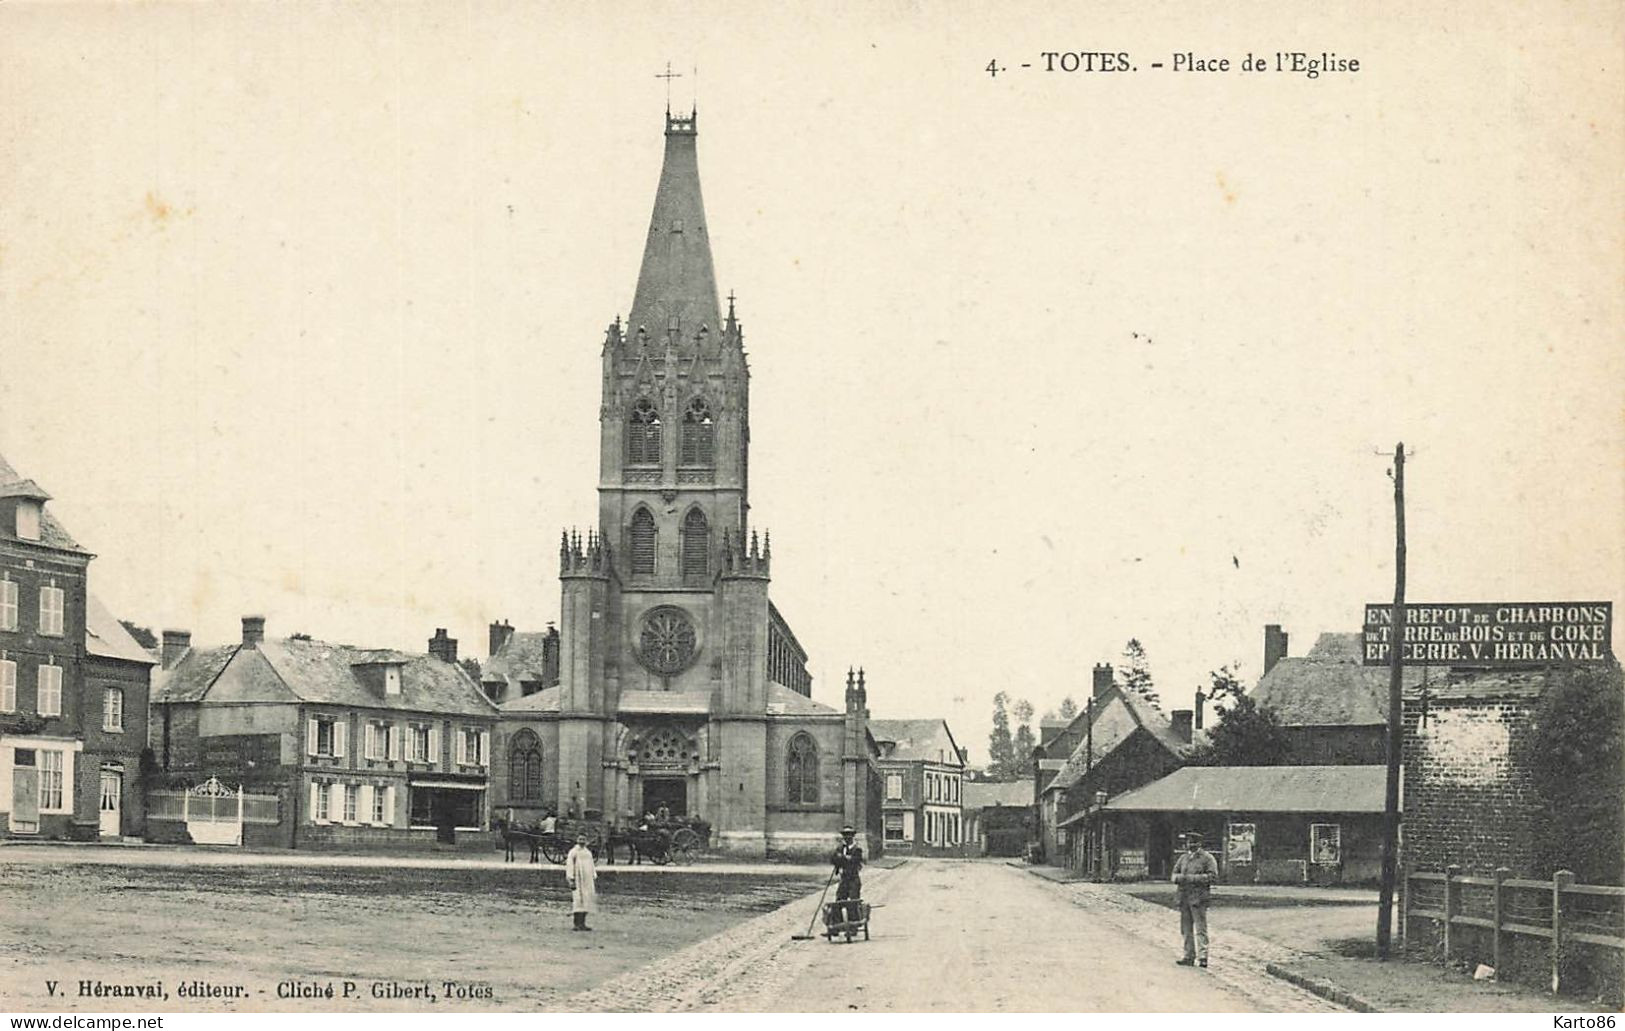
[668, 75]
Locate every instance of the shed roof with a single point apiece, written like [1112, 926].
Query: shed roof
[984, 794]
[1260, 789]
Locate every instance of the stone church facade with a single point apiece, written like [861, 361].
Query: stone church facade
[680, 684]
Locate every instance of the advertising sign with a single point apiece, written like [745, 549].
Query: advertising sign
[1493, 634]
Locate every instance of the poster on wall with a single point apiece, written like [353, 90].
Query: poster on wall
[1239, 843]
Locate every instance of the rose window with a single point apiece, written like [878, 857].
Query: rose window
[667, 643]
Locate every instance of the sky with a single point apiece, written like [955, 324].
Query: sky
[301, 309]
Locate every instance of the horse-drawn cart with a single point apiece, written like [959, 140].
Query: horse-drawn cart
[661, 845]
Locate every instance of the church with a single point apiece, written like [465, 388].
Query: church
[679, 683]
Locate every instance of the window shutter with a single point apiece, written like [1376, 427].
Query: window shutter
[341, 731]
[310, 740]
[363, 806]
[389, 805]
[485, 748]
[462, 746]
[434, 745]
[644, 539]
[394, 741]
[315, 789]
[335, 803]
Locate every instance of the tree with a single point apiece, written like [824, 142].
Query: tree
[1024, 742]
[471, 666]
[1577, 758]
[143, 636]
[1244, 735]
[1001, 751]
[1135, 675]
[1225, 684]
[1069, 709]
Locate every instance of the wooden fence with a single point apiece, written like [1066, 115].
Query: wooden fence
[1558, 910]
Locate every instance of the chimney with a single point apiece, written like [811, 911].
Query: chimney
[1181, 719]
[550, 657]
[1201, 703]
[442, 647]
[500, 632]
[1274, 646]
[176, 644]
[1103, 678]
[253, 631]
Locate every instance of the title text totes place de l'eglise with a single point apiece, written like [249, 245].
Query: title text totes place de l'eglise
[1493, 634]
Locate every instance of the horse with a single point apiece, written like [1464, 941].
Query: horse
[512, 832]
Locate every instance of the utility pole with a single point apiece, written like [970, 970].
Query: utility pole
[1396, 648]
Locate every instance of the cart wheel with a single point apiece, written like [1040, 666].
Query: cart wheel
[685, 839]
[553, 853]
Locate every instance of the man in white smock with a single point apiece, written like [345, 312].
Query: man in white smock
[582, 875]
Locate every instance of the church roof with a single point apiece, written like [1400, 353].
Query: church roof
[676, 280]
[545, 700]
[783, 701]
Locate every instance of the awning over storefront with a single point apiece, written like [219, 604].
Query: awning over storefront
[459, 785]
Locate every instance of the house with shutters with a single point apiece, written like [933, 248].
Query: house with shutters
[73, 684]
[923, 771]
[362, 747]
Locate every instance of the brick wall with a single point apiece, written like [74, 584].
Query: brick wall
[1469, 799]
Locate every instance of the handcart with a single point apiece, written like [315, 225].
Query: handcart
[847, 918]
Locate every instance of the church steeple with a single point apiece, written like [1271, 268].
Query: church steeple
[677, 286]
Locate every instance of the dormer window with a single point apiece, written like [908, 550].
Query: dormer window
[392, 680]
[28, 519]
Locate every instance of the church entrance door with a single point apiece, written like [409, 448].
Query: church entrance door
[671, 792]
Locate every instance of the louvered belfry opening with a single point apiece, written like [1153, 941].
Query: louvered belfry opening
[643, 434]
[696, 545]
[643, 542]
[699, 445]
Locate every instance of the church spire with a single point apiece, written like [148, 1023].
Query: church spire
[677, 286]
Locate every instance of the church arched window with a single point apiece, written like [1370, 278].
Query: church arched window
[699, 436]
[801, 771]
[643, 541]
[696, 544]
[525, 768]
[643, 434]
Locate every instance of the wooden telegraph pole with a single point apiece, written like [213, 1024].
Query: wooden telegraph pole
[1396, 641]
